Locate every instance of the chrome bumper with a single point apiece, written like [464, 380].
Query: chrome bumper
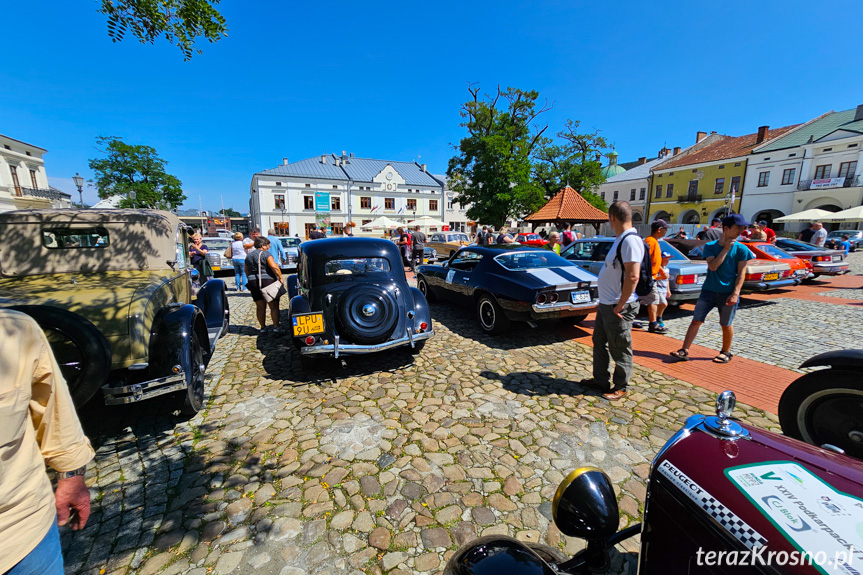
[685, 295]
[144, 390]
[564, 306]
[836, 269]
[776, 284]
[353, 349]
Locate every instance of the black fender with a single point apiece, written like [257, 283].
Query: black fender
[170, 341]
[299, 304]
[293, 288]
[497, 555]
[213, 302]
[421, 309]
[844, 358]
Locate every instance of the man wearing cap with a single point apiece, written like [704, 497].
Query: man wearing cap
[771, 235]
[658, 230]
[726, 264]
[713, 233]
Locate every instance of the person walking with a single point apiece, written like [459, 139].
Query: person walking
[482, 236]
[658, 229]
[261, 271]
[38, 427]
[806, 235]
[418, 245]
[404, 246]
[238, 257]
[618, 304]
[277, 250]
[663, 291]
[726, 269]
[316, 234]
[819, 234]
[553, 243]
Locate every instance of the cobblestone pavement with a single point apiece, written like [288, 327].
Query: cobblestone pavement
[387, 465]
[783, 331]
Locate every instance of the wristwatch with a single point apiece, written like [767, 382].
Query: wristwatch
[75, 472]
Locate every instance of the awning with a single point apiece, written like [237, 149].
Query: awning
[806, 216]
[849, 215]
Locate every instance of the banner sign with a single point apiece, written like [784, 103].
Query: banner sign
[322, 201]
[827, 183]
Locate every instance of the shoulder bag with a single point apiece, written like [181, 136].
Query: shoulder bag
[271, 292]
[228, 253]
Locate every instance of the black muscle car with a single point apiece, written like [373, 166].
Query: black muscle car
[505, 284]
[350, 296]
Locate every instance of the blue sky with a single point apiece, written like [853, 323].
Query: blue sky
[386, 79]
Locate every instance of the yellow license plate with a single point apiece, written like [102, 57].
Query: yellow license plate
[308, 324]
[770, 277]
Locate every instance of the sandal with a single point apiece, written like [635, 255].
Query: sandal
[680, 354]
[723, 357]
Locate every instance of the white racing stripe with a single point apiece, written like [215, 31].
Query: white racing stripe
[548, 276]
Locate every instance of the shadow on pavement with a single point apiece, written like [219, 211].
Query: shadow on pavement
[539, 383]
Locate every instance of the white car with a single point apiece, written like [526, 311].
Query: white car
[290, 244]
[216, 254]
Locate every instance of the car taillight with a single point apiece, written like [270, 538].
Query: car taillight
[424, 326]
[785, 274]
[685, 279]
[310, 340]
[821, 258]
[756, 277]
[541, 298]
[552, 298]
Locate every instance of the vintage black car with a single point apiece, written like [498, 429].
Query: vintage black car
[722, 497]
[350, 296]
[505, 284]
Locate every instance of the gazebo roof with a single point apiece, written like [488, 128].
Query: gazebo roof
[568, 206]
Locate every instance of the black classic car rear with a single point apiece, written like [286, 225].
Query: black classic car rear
[350, 296]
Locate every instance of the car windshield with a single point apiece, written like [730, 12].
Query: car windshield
[776, 252]
[797, 246]
[531, 260]
[457, 238]
[217, 244]
[356, 266]
[673, 251]
[290, 242]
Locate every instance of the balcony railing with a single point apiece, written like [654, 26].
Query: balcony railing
[47, 194]
[689, 199]
[848, 182]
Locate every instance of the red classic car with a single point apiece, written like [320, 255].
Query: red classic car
[801, 269]
[531, 240]
[722, 497]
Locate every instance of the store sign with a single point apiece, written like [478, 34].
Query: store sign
[322, 201]
[827, 183]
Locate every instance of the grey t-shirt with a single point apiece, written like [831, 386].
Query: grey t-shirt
[418, 240]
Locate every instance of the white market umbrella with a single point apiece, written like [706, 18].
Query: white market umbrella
[849, 215]
[426, 221]
[382, 223]
[806, 216]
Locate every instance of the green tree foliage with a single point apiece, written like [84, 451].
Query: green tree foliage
[575, 160]
[232, 213]
[128, 168]
[181, 22]
[493, 172]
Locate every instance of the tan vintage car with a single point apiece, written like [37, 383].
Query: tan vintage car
[446, 244]
[112, 289]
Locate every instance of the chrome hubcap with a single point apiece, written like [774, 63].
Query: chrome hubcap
[369, 310]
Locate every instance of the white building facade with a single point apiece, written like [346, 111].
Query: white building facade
[818, 165]
[292, 197]
[23, 180]
[633, 185]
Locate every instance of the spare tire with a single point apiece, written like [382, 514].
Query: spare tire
[79, 348]
[367, 314]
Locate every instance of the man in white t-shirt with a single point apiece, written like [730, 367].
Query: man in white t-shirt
[820, 234]
[618, 305]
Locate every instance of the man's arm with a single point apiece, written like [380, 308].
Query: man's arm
[630, 279]
[713, 262]
[60, 437]
[738, 283]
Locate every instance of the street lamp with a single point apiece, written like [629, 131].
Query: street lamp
[132, 196]
[79, 182]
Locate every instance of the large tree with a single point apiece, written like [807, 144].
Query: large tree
[573, 160]
[492, 172]
[181, 22]
[130, 168]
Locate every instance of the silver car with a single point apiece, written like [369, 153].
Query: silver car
[290, 244]
[216, 254]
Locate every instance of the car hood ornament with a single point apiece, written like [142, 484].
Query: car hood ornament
[721, 424]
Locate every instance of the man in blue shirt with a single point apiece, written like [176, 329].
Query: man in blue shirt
[726, 269]
[845, 244]
[276, 248]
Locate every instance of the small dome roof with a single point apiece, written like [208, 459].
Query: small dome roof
[612, 169]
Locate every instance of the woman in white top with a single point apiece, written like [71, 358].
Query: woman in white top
[238, 255]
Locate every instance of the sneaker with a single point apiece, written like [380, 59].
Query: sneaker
[266, 329]
[278, 331]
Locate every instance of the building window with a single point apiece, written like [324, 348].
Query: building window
[615, 195]
[364, 222]
[15, 183]
[278, 183]
[642, 193]
[308, 185]
[720, 186]
[389, 203]
[794, 155]
[736, 164]
[279, 201]
[308, 203]
[632, 195]
[36, 186]
[658, 193]
[721, 166]
[846, 170]
[669, 190]
[763, 179]
[735, 184]
[433, 205]
[693, 187]
[822, 172]
[449, 205]
[602, 194]
[827, 150]
[365, 202]
[412, 204]
[335, 203]
[852, 145]
[788, 176]
[338, 228]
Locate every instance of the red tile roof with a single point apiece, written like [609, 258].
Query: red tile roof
[569, 206]
[726, 148]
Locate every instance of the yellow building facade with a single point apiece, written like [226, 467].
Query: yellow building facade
[695, 194]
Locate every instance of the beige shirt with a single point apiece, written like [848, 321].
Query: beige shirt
[38, 425]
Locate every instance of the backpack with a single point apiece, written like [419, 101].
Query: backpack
[645, 274]
[567, 238]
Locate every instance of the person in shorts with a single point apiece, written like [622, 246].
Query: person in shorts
[662, 290]
[261, 261]
[726, 269]
[658, 229]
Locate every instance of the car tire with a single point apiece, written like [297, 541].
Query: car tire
[575, 319]
[492, 319]
[79, 348]
[192, 399]
[226, 326]
[825, 407]
[425, 289]
[376, 327]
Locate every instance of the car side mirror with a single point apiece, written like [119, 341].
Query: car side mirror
[584, 505]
